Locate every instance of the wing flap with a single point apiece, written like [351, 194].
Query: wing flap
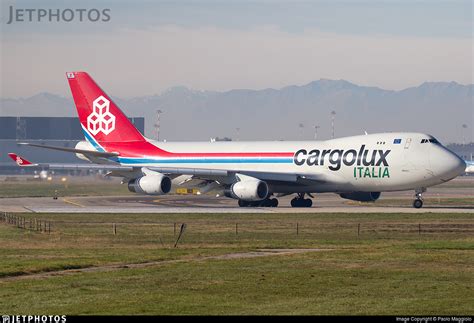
[190, 171]
[106, 167]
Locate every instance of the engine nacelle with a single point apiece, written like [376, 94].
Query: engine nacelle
[150, 184]
[361, 196]
[250, 190]
[84, 145]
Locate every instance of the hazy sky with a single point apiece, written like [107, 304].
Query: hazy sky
[149, 46]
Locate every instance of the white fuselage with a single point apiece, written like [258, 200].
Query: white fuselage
[366, 163]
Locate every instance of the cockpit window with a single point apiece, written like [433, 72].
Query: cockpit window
[433, 141]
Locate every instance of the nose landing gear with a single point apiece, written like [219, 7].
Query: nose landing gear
[418, 202]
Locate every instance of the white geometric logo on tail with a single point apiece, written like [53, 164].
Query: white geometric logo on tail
[101, 120]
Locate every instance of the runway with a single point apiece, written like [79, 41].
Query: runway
[397, 202]
[456, 196]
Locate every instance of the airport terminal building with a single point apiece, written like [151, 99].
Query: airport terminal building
[52, 131]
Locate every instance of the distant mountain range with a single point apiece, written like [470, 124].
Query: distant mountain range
[290, 113]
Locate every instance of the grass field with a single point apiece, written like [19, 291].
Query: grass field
[72, 187]
[365, 264]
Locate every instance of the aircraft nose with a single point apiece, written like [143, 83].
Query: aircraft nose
[447, 164]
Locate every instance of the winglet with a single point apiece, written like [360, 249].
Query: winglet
[20, 161]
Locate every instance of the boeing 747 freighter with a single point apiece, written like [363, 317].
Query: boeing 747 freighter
[254, 173]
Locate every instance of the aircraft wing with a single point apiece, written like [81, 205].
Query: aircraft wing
[74, 150]
[23, 162]
[194, 173]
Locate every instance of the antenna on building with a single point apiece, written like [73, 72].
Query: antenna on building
[157, 124]
[464, 127]
[333, 115]
[20, 128]
[301, 126]
[316, 131]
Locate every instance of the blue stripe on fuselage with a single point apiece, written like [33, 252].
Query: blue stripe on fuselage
[91, 140]
[138, 161]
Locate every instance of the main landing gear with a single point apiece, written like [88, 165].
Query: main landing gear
[300, 201]
[268, 202]
[418, 202]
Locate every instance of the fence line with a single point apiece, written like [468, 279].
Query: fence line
[32, 224]
[298, 228]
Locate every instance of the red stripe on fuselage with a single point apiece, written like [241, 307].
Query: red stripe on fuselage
[144, 148]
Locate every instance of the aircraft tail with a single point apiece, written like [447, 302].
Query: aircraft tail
[20, 161]
[101, 119]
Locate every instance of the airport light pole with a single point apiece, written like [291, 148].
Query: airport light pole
[333, 115]
[301, 126]
[316, 131]
[157, 124]
[464, 126]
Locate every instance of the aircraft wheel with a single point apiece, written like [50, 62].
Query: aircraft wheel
[295, 202]
[243, 203]
[264, 203]
[268, 203]
[417, 203]
[274, 202]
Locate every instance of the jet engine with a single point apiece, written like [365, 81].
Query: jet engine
[248, 190]
[150, 184]
[361, 196]
[84, 145]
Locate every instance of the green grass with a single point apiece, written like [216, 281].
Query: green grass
[388, 269]
[71, 187]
